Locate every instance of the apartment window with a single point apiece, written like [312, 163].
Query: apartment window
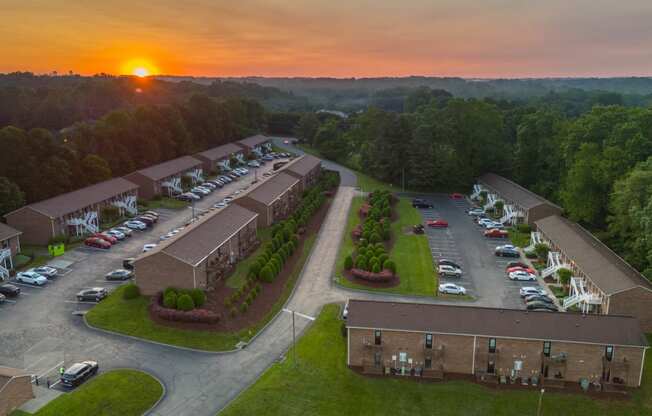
[492, 345]
[609, 352]
[428, 340]
[546, 348]
[377, 359]
[428, 363]
[377, 337]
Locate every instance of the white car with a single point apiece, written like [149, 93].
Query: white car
[483, 221]
[452, 289]
[199, 190]
[227, 200]
[447, 270]
[117, 234]
[209, 185]
[124, 230]
[493, 225]
[220, 205]
[148, 247]
[522, 275]
[253, 164]
[531, 290]
[135, 225]
[31, 278]
[166, 236]
[476, 211]
[46, 271]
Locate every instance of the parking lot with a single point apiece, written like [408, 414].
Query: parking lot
[463, 242]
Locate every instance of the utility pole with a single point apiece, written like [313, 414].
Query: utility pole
[540, 400]
[294, 342]
[403, 179]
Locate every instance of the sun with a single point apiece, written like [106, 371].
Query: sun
[139, 67]
[141, 72]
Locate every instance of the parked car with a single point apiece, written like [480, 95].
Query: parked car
[226, 179]
[154, 218]
[2, 298]
[268, 158]
[109, 239]
[450, 271]
[421, 203]
[493, 225]
[541, 306]
[187, 197]
[200, 190]
[45, 271]
[128, 263]
[522, 275]
[116, 234]
[78, 373]
[525, 269]
[457, 195]
[447, 262]
[152, 213]
[531, 290]
[124, 230]
[97, 243]
[452, 289]
[148, 221]
[119, 274]
[209, 185]
[233, 176]
[278, 165]
[538, 298]
[94, 294]
[220, 205]
[9, 290]
[345, 311]
[148, 247]
[507, 250]
[437, 223]
[253, 164]
[496, 233]
[31, 278]
[515, 264]
[227, 199]
[475, 212]
[484, 221]
[135, 225]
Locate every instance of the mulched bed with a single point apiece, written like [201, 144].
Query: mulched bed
[391, 283]
[263, 303]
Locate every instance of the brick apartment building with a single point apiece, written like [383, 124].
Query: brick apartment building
[273, 200]
[520, 205]
[218, 159]
[75, 213]
[15, 389]
[256, 145]
[165, 178]
[9, 247]
[201, 254]
[554, 348]
[307, 169]
[602, 282]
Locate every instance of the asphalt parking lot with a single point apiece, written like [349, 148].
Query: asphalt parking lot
[464, 243]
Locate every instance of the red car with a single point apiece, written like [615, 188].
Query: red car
[437, 223]
[456, 195]
[109, 239]
[525, 269]
[496, 233]
[97, 242]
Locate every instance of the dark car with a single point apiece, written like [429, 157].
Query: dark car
[532, 306]
[128, 263]
[151, 217]
[145, 219]
[78, 373]
[538, 298]
[516, 264]
[9, 291]
[507, 251]
[119, 274]
[446, 262]
[279, 165]
[421, 203]
[94, 294]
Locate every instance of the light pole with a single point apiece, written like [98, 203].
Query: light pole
[540, 401]
[294, 332]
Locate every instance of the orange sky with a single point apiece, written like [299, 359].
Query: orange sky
[469, 38]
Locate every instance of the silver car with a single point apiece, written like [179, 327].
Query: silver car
[45, 271]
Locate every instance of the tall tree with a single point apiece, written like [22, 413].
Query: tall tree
[11, 197]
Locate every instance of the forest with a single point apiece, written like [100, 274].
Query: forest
[597, 164]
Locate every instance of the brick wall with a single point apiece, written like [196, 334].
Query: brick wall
[157, 271]
[36, 227]
[634, 302]
[14, 394]
[261, 209]
[539, 212]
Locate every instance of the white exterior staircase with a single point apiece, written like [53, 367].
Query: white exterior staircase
[127, 203]
[509, 213]
[173, 185]
[554, 263]
[491, 201]
[535, 238]
[5, 256]
[579, 295]
[196, 175]
[476, 191]
[85, 224]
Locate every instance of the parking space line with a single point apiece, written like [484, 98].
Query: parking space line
[26, 285]
[80, 302]
[55, 383]
[53, 368]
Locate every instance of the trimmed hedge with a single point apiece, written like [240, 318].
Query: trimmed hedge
[196, 315]
[185, 303]
[131, 291]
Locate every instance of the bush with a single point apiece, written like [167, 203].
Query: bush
[564, 276]
[348, 262]
[198, 297]
[185, 303]
[386, 235]
[361, 262]
[244, 307]
[374, 238]
[524, 228]
[169, 290]
[255, 268]
[131, 291]
[266, 274]
[390, 265]
[542, 251]
[234, 312]
[362, 251]
[170, 301]
[375, 268]
[382, 258]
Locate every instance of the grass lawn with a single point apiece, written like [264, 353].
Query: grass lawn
[165, 202]
[410, 252]
[321, 384]
[131, 317]
[239, 276]
[519, 239]
[117, 392]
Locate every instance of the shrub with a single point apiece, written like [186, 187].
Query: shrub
[259, 288]
[266, 274]
[375, 268]
[228, 302]
[374, 238]
[170, 300]
[390, 265]
[564, 276]
[255, 268]
[185, 303]
[234, 312]
[131, 291]
[524, 228]
[382, 258]
[362, 251]
[279, 259]
[198, 297]
[169, 290]
[348, 262]
[244, 307]
[295, 240]
[386, 235]
[542, 251]
[361, 262]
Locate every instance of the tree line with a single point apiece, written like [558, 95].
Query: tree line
[596, 164]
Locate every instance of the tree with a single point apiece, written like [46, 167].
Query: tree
[307, 127]
[11, 197]
[95, 169]
[564, 276]
[542, 251]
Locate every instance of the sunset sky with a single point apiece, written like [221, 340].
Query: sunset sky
[469, 38]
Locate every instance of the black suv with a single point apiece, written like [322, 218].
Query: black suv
[9, 291]
[78, 373]
[421, 203]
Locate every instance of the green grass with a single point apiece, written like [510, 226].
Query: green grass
[518, 238]
[117, 392]
[321, 384]
[166, 203]
[131, 317]
[410, 252]
[239, 276]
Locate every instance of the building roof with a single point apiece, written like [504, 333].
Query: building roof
[272, 188]
[221, 152]
[253, 141]
[6, 232]
[304, 165]
[198, 240]
[169, 168]
[514, 192]
[498, 323]
[72, 201]
[600, 264]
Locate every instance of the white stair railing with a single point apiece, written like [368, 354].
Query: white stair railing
[4, 271]
[127, 203]
[85, 224]
[196, 175]
[510, 214]
[554, 263]
[579, 294]
[173, 185]
[491, 201]
[477, 189]
[535, 238]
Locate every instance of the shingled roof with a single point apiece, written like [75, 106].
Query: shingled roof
[304, 165]
[253, 141]
[221, 152]
[272, 188]
[72, 201]
[170, 168]
[605, 268]
[498, 323]
[6, 232]
[514, 192]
